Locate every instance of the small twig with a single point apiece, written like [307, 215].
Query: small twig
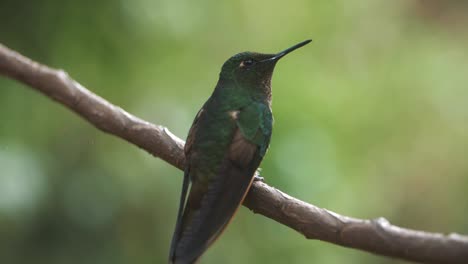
[377, 236]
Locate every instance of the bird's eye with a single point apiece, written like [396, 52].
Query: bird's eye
[247, 63]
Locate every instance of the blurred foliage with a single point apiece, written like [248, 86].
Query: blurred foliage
[371, 119]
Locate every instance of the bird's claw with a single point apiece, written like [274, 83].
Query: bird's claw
[259, 178]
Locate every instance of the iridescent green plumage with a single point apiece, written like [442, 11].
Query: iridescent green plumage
[225, 145]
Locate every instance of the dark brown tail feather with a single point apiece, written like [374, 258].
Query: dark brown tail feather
[218, 206]
[176, 235]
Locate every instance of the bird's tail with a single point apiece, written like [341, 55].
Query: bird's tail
[176, 235]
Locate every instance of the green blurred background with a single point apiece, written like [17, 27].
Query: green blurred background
[371, 119]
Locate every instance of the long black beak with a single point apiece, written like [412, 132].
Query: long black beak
[288, 50]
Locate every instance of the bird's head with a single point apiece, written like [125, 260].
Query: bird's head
[253, 70]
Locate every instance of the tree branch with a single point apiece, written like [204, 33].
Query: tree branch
[377, 236]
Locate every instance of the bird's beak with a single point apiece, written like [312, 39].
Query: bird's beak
[283, 53]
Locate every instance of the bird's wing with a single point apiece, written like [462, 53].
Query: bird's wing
[210, 206]
[185, 184]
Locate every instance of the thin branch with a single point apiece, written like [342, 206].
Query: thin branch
[377, 236]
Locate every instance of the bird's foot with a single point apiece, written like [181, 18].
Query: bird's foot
[257, 177]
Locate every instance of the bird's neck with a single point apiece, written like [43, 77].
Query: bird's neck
[233, 90]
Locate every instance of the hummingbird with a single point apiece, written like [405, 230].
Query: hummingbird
[224, 148]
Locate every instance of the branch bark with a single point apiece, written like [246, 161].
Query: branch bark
[376, 236]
